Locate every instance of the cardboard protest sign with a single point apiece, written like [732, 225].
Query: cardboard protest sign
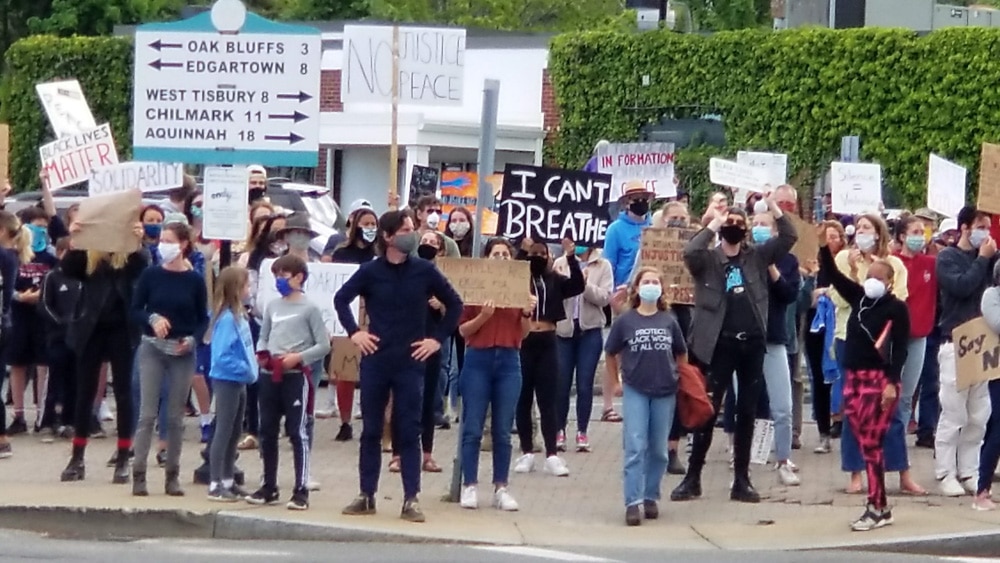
[107, 222]
[66, 107]
[550, 204]
[323, 282]
[722, 172]
[989, 179]
[977, 353]
[226, 201]
[856, 187]
[345, 357]
[663, 249]
[69, 160]
[145, 176]
[4, 151]
[650, 163]
[423, 181]
[807, 245]
[478, 280]
[945, 186]
[461, 189]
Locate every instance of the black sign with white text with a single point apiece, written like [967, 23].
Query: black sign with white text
[550, 204]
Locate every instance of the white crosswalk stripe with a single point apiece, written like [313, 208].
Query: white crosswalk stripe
[546, 554]
[971, 559]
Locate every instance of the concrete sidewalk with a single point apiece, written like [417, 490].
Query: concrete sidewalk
[584, 509]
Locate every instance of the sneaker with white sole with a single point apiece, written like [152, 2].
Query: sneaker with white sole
[824, 446]
[792, 466]
[872, 519]
[787, 476]
[554, 465]
[503, 500]
[105, 413]
[950, 487]
[525, 464]
[313, 485]
[470, 497]
[983, 502]
[970, 484]
[582, 442]
[561, 441]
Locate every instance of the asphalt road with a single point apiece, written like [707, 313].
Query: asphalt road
[15, 546]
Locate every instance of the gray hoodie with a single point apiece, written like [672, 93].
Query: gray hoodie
[990, 303]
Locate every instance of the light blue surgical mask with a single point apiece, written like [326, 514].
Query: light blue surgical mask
[650, 293]
[977, 237]
[761, 234]
[915, 242]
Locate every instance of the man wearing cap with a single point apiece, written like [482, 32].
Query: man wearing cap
[257, 183]
[621, 242]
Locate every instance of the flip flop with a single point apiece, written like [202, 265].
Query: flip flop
[858, 491]
[610, 415]
[394, 465]
[430, 466]
[911, 493]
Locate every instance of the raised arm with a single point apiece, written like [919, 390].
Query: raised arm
[851, 292]
[574, 284]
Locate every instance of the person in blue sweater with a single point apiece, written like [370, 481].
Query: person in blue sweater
[396, 288]
[621, 242]
[234, 366]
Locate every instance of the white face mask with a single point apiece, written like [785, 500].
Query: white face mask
[874, 288]
[460, 228]
[298, 241]
[865, 241]
[432, 220]
[369, 233]
[169, 251]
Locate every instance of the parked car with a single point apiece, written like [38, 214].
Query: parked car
[325, 216]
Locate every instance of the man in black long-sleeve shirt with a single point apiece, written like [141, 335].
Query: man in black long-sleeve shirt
[963, 271]
[396, 288]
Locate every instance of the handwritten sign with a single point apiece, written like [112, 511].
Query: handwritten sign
[663, 249]
[730, 174]
[461, 189]
[550, 204]
[323, 282]
[4, 151]
[650, 163]
[479, 280]
[226, 200]
[856, 187]
[69, 160]
[775, 165]
[423, 181]
[945, 186]
[147, 176]
[989, 179]
[431, 65]
[66, 107]
[345, 357]
[977, 353]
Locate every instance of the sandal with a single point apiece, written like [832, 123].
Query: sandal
[249, 442]
[610, 415]
[394, 465]
[430, 466]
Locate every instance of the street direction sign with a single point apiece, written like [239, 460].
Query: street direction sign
[210, 97]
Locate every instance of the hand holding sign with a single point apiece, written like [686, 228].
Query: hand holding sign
[569, 247]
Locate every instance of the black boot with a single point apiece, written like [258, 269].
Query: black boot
[346, 433]
[743, 491]
[173, 485]
[674, 465]
[121, 473]
[139, 484]
[690, 487]
[75, 470]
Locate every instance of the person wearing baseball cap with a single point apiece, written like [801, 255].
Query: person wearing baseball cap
[257, 183]
[621, 242]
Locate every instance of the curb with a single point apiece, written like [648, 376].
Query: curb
[980, 543]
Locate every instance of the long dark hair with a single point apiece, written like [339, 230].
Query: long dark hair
[388, 224]
[354, 231]
[264, 239]
[465, 244]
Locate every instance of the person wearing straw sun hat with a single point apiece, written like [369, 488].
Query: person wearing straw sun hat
[621, 242]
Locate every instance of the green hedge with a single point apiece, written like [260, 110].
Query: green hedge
[796, 91]
[103, 65]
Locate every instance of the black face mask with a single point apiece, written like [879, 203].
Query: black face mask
[256, 194]
[733, 234]
[639, 207]
[539, 264]
[427, 252]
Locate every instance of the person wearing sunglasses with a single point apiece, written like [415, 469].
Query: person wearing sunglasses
[428, 213]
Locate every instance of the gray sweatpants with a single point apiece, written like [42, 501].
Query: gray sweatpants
[230, 403]
[154, 367]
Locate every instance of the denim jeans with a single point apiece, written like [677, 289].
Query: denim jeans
[990, 453]
[837, 385]
[579, 353]
[161, 419]
[447, 354]
[491, 377]
[928, 404]
[778, 383]
[645, 428]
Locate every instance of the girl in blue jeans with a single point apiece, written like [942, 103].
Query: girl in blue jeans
[647, 343]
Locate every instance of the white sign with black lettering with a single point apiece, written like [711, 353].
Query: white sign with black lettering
[856, 187]
[431, 65]
[322, 284]
[66, 107]
[727, 173]
[775, 165]
[226, 200]
[147, 176]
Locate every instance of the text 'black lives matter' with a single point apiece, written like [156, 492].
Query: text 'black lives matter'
[550, 204]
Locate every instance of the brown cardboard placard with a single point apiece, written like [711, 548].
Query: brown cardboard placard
[664, 249]
[807, 245]
[477, 280]
[345, 357]
[108, 222]
[989, 179]
[977, 353]
[4, 152]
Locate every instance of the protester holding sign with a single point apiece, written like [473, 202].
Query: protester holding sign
[990, 453]
[10, 231]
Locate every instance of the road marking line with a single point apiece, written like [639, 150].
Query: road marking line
[185, 548]
[545, 554]
[971, 560]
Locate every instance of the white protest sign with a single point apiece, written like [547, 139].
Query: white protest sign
[431, 65]
[650, 163]
[147, 176]
[66, 107]
[762, 442]
[69, 160]
[226, 203]
[945, 186]
[775, 165]
[856, 187]
[727, 173]
[323, 282]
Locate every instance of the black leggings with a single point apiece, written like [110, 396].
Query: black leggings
[820, 388]
[108, 343]
[539, 380]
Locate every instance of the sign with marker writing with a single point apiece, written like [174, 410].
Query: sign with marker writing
[856, 187]
[650, 163]
[478, 280]
[226, 203]
[146, 176]
[69, 160]
[66, 106]
[550, 204]
[945, 186]
[989, 179]
[663, 249]
[431, 65]
[722, 172]
[203, 96]
[345, 356]
[775, 165]
[461, 189]
[324, 281]
[977, 353]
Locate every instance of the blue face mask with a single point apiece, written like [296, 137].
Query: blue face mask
[196, 211]
[581, 250]
[152, 230]
[39, 238]
[761, 234]
[915, 242]
[283, 286]
[650, 293]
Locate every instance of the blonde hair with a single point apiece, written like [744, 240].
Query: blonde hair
[22, 244]
[116, 260]
[228, 295]
[633, 290]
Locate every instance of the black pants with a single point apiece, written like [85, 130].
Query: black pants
[539, 380]
[251, 417]
[291, 398]
[746, 358]
[108, 343]
[61, 385]
[427, 426]
[820, 388]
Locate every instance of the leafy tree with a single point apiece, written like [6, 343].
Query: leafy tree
[528, 15]
[99, 17]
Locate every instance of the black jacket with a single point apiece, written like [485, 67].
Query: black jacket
[782, 294]
[551, 288]
[58, 304]
[97, 288]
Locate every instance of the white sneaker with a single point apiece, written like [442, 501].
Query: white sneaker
[950, 487]
[787, 476]
[105, 412]
[470, 497]
[791, 465]
[525, 464]
[970, 484]
[554, 465]
[503, 500]
[312, 485]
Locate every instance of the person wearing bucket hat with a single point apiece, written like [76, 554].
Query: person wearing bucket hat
[298, 233]
[621, 242]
